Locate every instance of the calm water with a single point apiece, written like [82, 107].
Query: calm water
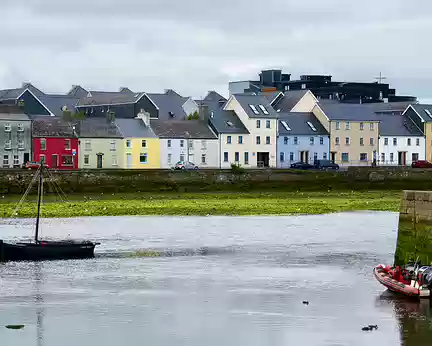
[217, 281]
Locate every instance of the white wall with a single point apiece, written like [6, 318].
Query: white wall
[234, 147]
[402, 145]
[304, 144]
[208, 147]
[190, 107]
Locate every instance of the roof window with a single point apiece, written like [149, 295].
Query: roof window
[311, 126]
[254, 109]
[264, 110]
[229, 124]
[427, 111]
[285, 125]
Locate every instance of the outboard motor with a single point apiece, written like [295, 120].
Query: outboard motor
[427, 278]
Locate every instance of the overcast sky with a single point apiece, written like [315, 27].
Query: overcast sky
[194, 46]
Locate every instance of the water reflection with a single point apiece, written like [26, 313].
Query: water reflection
[39, 303]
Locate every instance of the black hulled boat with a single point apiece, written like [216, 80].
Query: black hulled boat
[39, 250]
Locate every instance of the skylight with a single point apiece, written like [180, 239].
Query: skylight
[428, 112]
[264, 110]
[229, 123]
[254, 109]
[311, 126]
[285, 125]
[278, 110]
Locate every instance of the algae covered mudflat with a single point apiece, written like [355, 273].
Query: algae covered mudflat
[272, 203]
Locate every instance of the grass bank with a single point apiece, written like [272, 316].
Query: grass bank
[289, 203]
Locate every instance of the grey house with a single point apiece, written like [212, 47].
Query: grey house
[15, 136]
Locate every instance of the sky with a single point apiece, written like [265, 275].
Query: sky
[195, 46]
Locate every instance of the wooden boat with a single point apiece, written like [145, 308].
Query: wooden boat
[411, 281]
[45, 250]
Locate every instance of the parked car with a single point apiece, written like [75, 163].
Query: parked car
[301, 165]
[325, 165]
[421, 164]
[32, 165]
[185, 165]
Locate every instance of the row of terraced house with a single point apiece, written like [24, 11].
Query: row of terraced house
[86, 129]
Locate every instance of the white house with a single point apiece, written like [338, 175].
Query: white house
[400, 141]
[301, 138]
[258, 147]
[187, 140]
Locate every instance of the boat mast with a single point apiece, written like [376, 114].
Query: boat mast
[40, 191]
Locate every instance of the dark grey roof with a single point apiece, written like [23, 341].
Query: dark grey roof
[77, 91]
[12, 94]
[213, 96]
[182, 129]
[169, 102]
[11, 112]
[134, 128]
[125, 90]
[98, 128]
[226, 122]
[298, 123]
[55, 103]
[271, 95]
[397, 125]
[108, 98]
[51, 127]
[380, 107]
[289, 100]
[256, 100]
[348, 111]
[423, 111]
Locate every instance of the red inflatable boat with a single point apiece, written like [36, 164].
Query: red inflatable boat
[411, 281]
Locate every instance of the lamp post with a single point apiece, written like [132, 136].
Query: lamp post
[187, 144]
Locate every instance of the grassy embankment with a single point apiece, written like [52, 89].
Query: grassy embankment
[272, 203]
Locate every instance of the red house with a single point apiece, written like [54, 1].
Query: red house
[55, 141]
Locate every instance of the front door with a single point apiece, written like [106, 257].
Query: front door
[54, 161]
[402, 158]
[333, 157]
[304, 156]
[26, 157]
[99, 161]
[129, 160]
[263, 159]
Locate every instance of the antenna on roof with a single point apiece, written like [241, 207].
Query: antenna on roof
[380, 78]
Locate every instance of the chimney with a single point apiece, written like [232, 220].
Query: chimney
[144, 116]
[203, 111]
[110, 116]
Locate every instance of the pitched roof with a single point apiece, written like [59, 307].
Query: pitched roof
[213, 96]
[12, 113]
[425, 111]
[98, 128]
[77, 91]
[246, 101]
[55, 103]
[272, 95]
[226, 122]
[289, 100]
[397, 125]
[134, 128]
[182, 129]
[297, 124]
[51, 127]
[12, 94]
[109, 98]
[169, 102]
[388, 107]
[348, 111]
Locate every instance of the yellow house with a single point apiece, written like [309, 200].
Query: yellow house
[141, 147]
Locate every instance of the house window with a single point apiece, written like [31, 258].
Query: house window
[291, 156]
[282, 156]
[371, 126]
[324, 156]
[385, 141]
[169, 143]
[267, 124]
[246, 158]
[321, 140]
[236, 157]
[337, 142]
[303, 86]
[415, 157]
[258, 124]
[363, 157]
[182, 157]
[285, 140]
[191, 144]
[347, 140]
[20, 128]
[67, 144]
[204, 144]
[361, 141]
[418, 142]
[311, 140]
[43, 144]
[67, 160]
[228, 139]
[5, 160]
[7, 127]
[113, 146]
[203, 159]
[87, 145]
[391, 157]
[315, 156]
[345, 157]
[382, 157]
[8, 144]
[20, 144]
[267, 139]
[182, 143]
[337, 125]
[143, 143]
[114, 160]
[394, 141]
[240, 139]
[128, 143]
[371, 141]
[16, 160]
[225, 156]
[347, 125]
[258, 140]
[295, 140]
[169, 160]
[361, 126]
[86, 159]
[143, 158]
[409, 141]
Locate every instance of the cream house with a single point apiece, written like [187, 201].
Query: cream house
[258, 147]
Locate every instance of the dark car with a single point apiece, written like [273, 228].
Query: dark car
[325, 165]
[301, 165]
[421, 164]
